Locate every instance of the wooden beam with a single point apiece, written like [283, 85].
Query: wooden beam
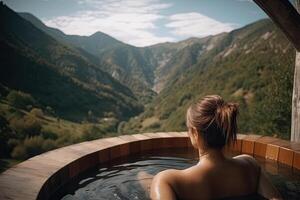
[285, 16]
[295, 128]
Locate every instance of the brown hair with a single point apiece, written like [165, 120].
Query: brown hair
[214, 119]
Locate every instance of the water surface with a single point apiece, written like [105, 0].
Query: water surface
[119, 180]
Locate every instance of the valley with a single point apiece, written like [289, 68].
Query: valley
[58, 89]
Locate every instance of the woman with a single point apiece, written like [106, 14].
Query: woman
[211, 125]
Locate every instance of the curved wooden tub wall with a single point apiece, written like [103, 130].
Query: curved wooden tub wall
[39, 177]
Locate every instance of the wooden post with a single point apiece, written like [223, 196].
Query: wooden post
[295, 129]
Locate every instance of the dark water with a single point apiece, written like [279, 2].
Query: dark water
[119, 180]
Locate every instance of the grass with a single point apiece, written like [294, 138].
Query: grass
[54, 133]
[149, 121]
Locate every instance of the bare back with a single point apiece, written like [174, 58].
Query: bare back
[232, 177]
[212, 123]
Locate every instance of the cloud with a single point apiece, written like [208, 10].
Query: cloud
[136, 21]
[194, 24]
[131, 21]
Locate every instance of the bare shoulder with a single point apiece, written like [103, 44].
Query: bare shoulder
[247, 158]
[168, 176]
[248, 162]
[162, 186]
[184, 184]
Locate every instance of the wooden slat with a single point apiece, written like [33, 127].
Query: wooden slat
[285, 16]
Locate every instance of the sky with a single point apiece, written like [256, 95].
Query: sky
[142, 22]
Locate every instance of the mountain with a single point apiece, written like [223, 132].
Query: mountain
[126, 63]
[58, 75]
[94, 44]
[245, 63]
[171, 59]
[145, 71]
[252, 65]
[132, 66]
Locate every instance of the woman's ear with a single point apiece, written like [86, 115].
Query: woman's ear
[195, 133]
[194, 137]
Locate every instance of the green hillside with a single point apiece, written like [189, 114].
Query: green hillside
[24, 46]
[128, 64]
[252, 65]
[131, 66]
[51, 95]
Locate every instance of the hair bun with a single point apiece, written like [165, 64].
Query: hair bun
[215, 119]
[226, 119]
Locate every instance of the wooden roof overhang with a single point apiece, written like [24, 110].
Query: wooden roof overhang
[285, 16]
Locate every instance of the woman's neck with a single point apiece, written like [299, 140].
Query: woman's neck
[211, 155]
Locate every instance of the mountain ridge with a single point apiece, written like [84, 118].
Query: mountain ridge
[138, 59]
[99, 45]
[252, 65]
[20, 34]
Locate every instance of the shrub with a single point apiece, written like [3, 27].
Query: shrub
[19, 152]
[20, 99]
[47, 134]
[155, 125]
[37, 112]
[92, 132]
[32, 146]
[26, 126]
[110, 114]
[66, 138]
[48, 145]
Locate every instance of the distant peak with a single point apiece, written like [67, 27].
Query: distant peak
[98, 33]
[104, 36]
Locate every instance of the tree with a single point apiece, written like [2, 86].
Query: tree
[20, 99]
